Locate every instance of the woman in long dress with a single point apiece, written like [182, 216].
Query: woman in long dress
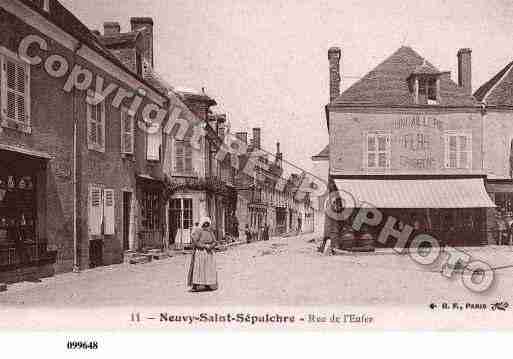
[202, 273]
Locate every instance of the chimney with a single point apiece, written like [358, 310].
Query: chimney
[256, 138]
[279, 155]
[334, 55]
[145, 25]
[465, 70]
[111, 28]
[243, 136]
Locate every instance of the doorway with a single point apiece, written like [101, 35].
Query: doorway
[127, 204]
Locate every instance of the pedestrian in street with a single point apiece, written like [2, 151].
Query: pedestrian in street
[266, 232]
[247, 232]
[202, 273]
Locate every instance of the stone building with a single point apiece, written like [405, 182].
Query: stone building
[408, 140]
[184, 179]
[496, 105]
[67, 152]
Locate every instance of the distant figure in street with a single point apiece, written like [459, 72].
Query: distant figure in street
[266, 232]
[247, 232]
[202, 273]
[235, 226]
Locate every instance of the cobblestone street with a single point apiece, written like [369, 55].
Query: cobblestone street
[282, 271]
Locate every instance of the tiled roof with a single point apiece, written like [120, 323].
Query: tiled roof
[387, 84]
[123, 38]
[68, 22]
[497, 90]
[325, 153]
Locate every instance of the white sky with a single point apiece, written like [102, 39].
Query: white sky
[265, 62]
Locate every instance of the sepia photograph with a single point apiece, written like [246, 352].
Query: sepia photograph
[274, 165]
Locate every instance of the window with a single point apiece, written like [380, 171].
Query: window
[378, 150]
[458, 150]
[182, 211]
[101, 211]
[150, 210]
[153, 143]
[96, 125]
[14, 89]
[183, 157]
[427, 90]
[127, 132]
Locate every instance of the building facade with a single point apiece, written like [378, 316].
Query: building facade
[68, 154]
[408, 140]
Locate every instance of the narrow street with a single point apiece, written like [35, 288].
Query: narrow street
[282, 271]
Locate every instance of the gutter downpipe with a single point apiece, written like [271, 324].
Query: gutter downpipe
[76, 256]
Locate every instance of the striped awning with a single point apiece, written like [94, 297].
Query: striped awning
[417, 193]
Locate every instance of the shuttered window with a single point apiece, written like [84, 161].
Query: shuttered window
[95, 210]
[127, 132]
[378, 150]
[15, 89]
[109, 212]
[153, 143]
[102, 217]
[183, 157]
[458, 150]
[96, 126]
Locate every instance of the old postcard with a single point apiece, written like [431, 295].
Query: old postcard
[272, 165]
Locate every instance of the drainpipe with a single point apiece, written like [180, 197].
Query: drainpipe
[483, 138]
[76, 191]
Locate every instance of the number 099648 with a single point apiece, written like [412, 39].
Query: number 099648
[73, 345]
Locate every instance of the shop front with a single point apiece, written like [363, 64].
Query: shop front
[452, 210]
[150, 195]
[23, 242]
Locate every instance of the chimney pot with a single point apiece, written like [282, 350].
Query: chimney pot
[465, 70]
[256, 138]
[334, 55]
[111, 28]
[145, 25]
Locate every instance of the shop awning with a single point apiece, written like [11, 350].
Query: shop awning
[418, 193]
[26, 151]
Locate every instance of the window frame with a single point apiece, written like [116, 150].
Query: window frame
[186, 147]
[125, 112]
[14, 123]
[95, 145]
[458, 152]
[388, 150]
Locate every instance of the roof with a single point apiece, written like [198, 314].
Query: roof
[324, 154]
[497, 90]
[412, 193]
[387, 84]
[191, 94]
[122, 38]
[64, 19]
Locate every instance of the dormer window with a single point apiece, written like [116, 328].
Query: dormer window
[424, 83]
[427, 91]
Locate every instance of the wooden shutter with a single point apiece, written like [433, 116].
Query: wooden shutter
[127, 132]
[447, 150]
[95, 210]
[389, 150]
[153, 145]
[188, 157]
[464, 154]
[179, 156]
[16, 105]
[100, 118]
[109, 218]
[92, 130]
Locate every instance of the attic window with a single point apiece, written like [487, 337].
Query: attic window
[427, 90]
